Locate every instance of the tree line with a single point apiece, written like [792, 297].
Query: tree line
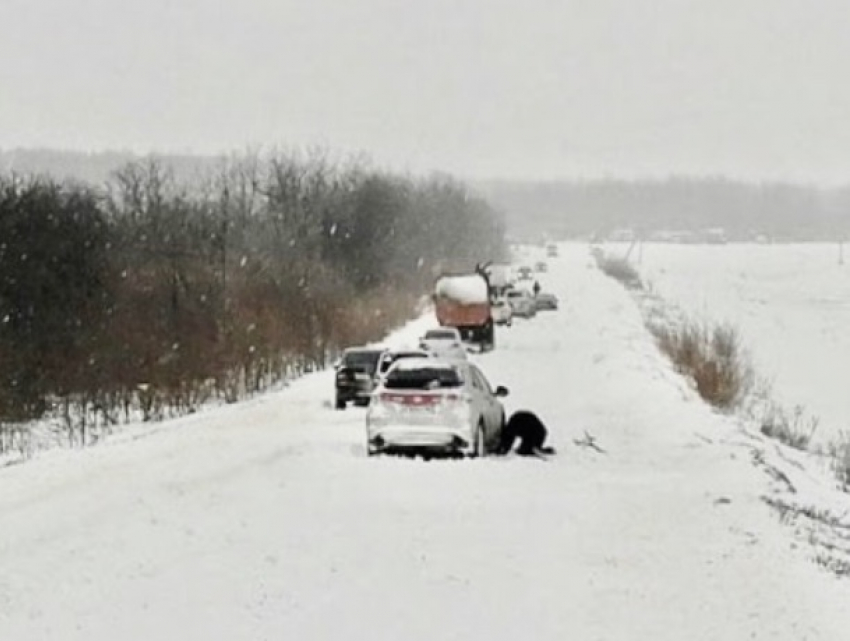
[150, 295]
[744, 211]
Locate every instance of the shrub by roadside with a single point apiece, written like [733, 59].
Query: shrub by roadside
[793, 428]
[711, 356]
[839, 453]
[620, 269]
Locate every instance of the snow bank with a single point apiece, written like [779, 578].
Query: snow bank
[469, 289]
[426, 362]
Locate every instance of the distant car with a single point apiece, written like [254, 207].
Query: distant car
[524, 273]
[522, 303]
[355, 375]
[552, 250]
[392, 355]
[444, 342]
[545, 301]
[540, 266]
[502, 312]
[434, 406]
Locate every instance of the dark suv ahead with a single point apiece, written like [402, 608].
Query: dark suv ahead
[355, 375]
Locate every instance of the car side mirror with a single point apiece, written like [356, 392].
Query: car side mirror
[501, 391]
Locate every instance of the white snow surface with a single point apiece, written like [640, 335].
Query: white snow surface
[266, 519]
[463, 289]
[414, 363]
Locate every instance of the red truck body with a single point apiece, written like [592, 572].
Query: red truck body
[463, 301]
[455, 314]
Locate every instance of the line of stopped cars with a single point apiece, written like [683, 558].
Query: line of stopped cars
[516, 292]
[431, 399]
[428, 401]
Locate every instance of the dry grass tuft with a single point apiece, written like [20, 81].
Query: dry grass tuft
[839, 451]
[795, 429]
[712, 357]
[619, 269]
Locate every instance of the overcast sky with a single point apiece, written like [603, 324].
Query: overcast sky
[480, 88]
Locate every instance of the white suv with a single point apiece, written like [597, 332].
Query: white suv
[392, 355]
[501, 311]
[433, 406]
[522, 303]
[444, 342]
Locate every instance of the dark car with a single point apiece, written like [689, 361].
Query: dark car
[355, 375]
[545, 301]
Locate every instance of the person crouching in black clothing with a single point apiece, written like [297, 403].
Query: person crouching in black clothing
[530, 431]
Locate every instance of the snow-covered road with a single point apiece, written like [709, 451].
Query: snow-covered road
[266, 520]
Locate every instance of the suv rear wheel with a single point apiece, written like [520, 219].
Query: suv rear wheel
[479, 446]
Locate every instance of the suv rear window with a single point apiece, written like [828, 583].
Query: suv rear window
[423, 378]
[361, 361]
[440, 334]
[388, 359]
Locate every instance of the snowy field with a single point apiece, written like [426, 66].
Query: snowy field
[266, 520]
[791, 304]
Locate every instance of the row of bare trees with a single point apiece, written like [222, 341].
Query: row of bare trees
[745, 211]
[150, 295]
